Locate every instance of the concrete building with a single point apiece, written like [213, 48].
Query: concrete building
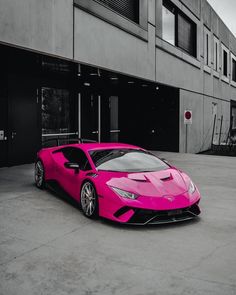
[114, 70]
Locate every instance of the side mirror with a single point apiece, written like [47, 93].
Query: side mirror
[74, 166]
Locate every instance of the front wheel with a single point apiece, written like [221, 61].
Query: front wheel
[89, 200]
[39, 174]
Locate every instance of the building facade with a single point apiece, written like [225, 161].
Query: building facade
[114, 70]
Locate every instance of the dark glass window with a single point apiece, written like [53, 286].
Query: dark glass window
[55, 110]
[76, 155]
[178, 29]
[207, 49]
[127, 160]
[128, 8]
[234, 70]
[233, 117]
[225, 63]
[216, 53]
[186, 35]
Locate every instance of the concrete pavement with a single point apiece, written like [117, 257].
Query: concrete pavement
[48, 247]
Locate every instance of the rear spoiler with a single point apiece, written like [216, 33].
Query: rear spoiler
[64, 141]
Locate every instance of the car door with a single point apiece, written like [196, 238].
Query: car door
[70, 179]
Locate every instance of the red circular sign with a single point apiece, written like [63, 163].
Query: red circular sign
[188, 115]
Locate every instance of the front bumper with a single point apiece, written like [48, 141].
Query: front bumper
[145, 216]
[150, 210]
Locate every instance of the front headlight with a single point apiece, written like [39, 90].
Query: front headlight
[124, 194]
[191, 188]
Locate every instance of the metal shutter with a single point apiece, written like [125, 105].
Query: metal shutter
[128, 8]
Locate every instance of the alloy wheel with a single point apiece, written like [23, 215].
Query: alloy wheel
[88, 199]
[39, 174]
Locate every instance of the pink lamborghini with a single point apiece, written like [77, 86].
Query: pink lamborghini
[120, 182]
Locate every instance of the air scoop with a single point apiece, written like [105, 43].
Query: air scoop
[138, 177]
[167, 177]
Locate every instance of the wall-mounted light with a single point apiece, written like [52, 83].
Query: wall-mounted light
[114, 78]
[79, 70]
[144, 85]
[157, 88]
[130, 82]
[87, 84]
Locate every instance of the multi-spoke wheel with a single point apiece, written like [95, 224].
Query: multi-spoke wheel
[39, 174]
[89, 200]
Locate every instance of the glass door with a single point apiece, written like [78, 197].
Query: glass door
[114, 119]
[98, 117]
[90, 116]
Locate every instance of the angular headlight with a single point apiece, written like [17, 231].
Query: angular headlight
[124, 194]
[191, 188]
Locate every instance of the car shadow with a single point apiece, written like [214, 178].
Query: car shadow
[60, 194]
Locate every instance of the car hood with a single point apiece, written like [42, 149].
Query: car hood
[152, 184]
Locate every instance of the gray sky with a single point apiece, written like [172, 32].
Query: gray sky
[226, 9]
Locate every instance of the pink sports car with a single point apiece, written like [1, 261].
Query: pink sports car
[120, 182]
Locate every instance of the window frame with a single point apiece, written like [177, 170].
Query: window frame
[216, 55]
[193, 31]
[112, 8]
[207, 47]
[177, 12]
[168, 7]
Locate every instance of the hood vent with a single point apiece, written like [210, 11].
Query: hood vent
[167, 178]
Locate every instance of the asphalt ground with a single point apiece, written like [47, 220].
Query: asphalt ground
[48, 247]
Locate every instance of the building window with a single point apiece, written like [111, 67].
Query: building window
[207, 47]
[233, 68]
[168, 25]
[127, 8]
[178, 29]
[216, 54]
[186, 35]
[225, 63]
[233, 117]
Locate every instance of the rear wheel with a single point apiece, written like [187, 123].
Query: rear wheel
[89, 200]
[39, 174]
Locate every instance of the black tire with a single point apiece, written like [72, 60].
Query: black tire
[89, 200]
[39, 174]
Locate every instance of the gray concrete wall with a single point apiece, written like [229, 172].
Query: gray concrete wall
[104, 45]
[199, 133]
[91, 33]
[193, 6]
[42, 25]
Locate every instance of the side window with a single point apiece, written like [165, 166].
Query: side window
[76, 155]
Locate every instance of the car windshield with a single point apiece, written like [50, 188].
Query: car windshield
[126, 160]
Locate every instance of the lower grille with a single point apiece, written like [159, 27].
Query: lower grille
[142, 216]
